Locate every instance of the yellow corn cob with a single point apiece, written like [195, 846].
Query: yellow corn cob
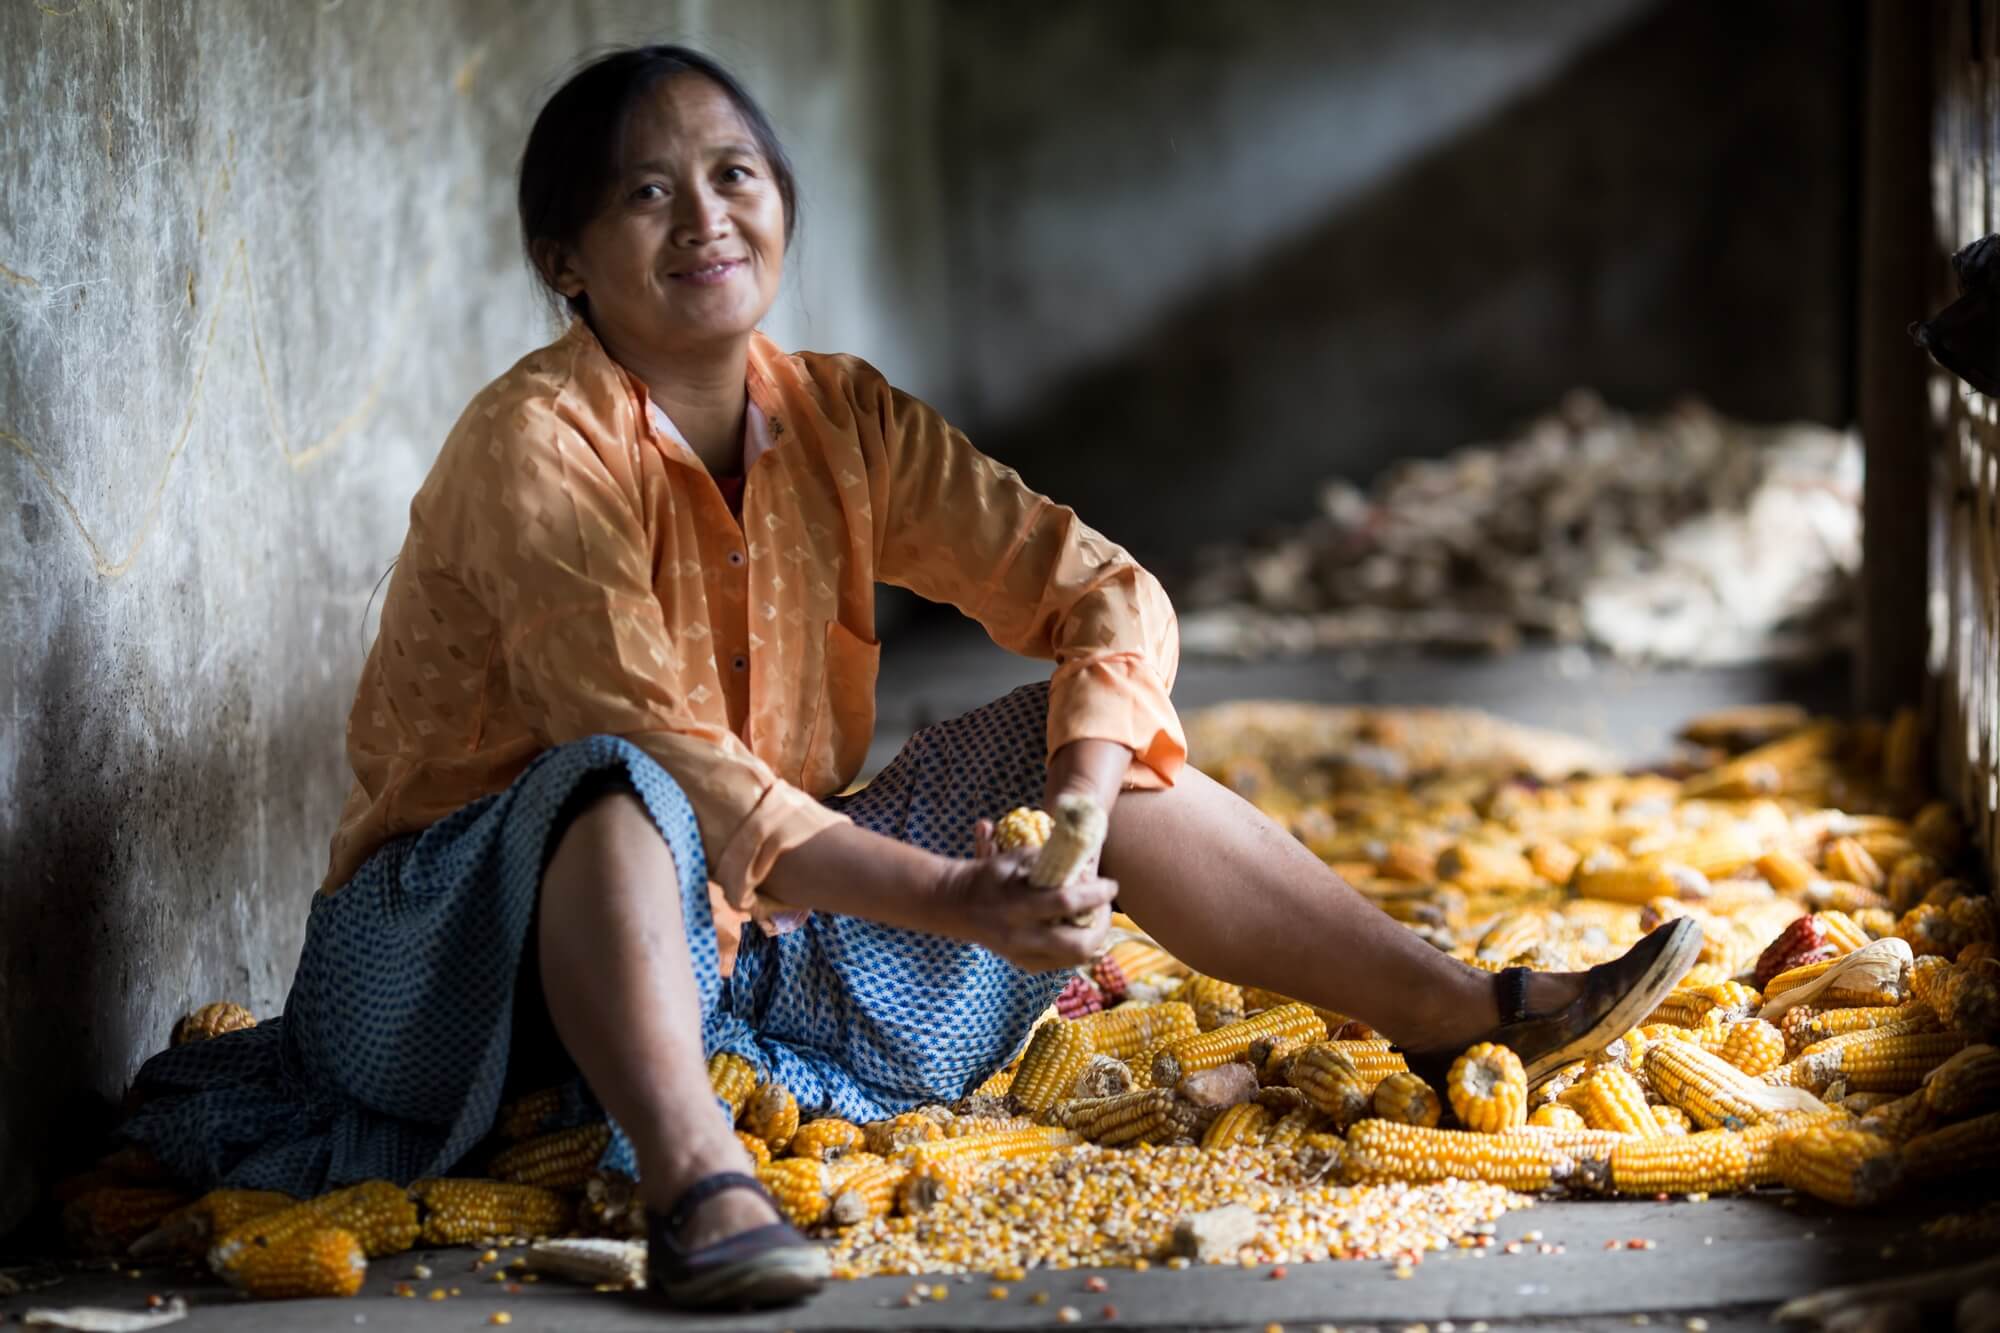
[1902, 1118]
[1374, 1057]
[1785, 870]
[600, 1262]
[1407, 1099]
[1022, 827]
[1912, 878]
[211, 1020]
[1848, 860]
[1567, 1077]
[998, 1082]
[1714, 1093]
[1331, 1083]
[1514, 933]
[1488, 1089]
[1842, 931]
[1074, 840]
[1966, 1083]
[1768, 770]
[1271, 1056]
[1554, 1115]
[1670, 1119]
[1245, 1122]
[759, 1151]
[526, 1114]
[1797, 976]
[1753, 1046]
[1133, 1030]
[187, 1231]
[1187, 1055]
[1291, 1128]
[734, 1079]
[1806, 1026]
[1711, 1162]
[798, 1184]
[884, 1137]
[1715, 852]
[1139, 959]
[1382, 1151]
[869, 1192]
[1483, 867]
[1639, 882]
[998, 1145]
[560, 1159]
[382, 1216]
[106, 1220]
[1840, 1165]
[1056, 1054]
[1874, 1060]
[928, 1184]
[1216, 1003]
[1554, 861]
[966, 1126]
[1104, 1076]
[460, 1211]
[1963, 1149]
[326, 1262]
[1929, 931]
[772, 1115]
[827, 1139]
[1149, 1115]
[1612, 1099]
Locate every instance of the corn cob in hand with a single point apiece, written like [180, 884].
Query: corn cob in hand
[1069, 840]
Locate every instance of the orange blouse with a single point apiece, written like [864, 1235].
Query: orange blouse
[571, 569]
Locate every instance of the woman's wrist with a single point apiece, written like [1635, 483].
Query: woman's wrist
[849, 871]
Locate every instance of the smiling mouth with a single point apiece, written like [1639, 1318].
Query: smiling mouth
[708, 273]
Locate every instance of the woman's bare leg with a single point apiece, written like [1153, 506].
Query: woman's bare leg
[1226, 890]
[620, 990]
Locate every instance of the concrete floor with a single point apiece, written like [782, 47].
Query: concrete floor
[1727, 1262]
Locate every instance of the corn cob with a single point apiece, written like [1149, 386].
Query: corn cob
[758, 1151]
[1021, 827]
[1955, 1150]
[1902, 1118]
[798, 1185]
[187, 1231]
[1488, 1089]
[1073, 841]
[1271, 1056]
[1056, 1055]
[1785, 870]
[1111, 981]
[1078, 998]
[869, 1192]
[1291, 1128]
[1612, 1099]
[561, 1159]
[1103, 1076]
[734, 1079]
[1484, 867]
[1689, 1005]
[1938, 830]
[1407, 1099]
[106, 1220]
[1567, 1077]
[1768, 770]
[928, 1184]
[1711, 1162]
[1514, 933]
[1554, 1115]
[1874, 1060]
[1842, 931]
[1384, 1151]
[1216, 1003]
[1555, 862]
[526, 1114]
[1140, 960]
[1806, 1026]
[460, 1211]
[211, 1020]
[1753, 1046]
[1846, 859]
[598, 1262]
[1840, 1165]
[772, 1115]
[1911, 880]
[967, 1126]
[1245, 1122]
[382, 1216]
[1713, 1092]
[1133, 1030]
[1966, 1083]
[1374, 1057]
[1150, 1115]
[1331, 1083]
[827, 1139]
[1670, 1119]
[1206, 1050]
[885, 1137]
[326, 1262]
[1639, 882]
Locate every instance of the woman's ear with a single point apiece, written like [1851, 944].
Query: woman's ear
[552, 259]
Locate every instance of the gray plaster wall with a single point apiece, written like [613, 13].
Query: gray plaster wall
[254, 257]
[1214, 253]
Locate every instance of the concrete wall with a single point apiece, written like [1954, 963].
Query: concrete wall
[253, 260]
[1217, 252]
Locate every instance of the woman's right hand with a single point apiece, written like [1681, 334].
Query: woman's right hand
[993, 904]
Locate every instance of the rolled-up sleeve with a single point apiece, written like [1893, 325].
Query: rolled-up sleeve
[963, 528]
[550, 540]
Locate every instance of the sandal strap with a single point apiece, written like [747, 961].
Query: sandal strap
[705, 1189]
[1510, 985]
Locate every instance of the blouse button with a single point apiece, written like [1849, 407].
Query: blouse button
[739, 662]
[736, 557]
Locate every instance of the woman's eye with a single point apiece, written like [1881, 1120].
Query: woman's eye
[732, 175]
[649, 192]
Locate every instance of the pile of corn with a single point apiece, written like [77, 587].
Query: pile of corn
[1834, 1038]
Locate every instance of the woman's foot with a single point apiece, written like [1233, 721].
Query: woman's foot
[757, 1268]
[717, 1217]
[1550, 1020]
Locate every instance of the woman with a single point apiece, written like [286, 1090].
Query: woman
[625, 662]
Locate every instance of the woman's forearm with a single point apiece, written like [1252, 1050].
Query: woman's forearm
[849, 871]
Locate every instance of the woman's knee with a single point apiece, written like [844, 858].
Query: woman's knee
[605, 827]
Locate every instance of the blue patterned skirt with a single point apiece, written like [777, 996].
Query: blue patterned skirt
[400, 1036]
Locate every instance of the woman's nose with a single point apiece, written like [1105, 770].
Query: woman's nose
[700, 218]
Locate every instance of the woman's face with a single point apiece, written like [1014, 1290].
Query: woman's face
[688, 249]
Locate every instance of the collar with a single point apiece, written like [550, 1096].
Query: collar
[763, 421]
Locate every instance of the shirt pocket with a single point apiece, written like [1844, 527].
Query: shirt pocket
[844, 715]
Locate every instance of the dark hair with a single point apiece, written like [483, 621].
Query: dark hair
[570, 162]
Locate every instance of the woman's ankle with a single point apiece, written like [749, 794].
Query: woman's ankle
[670, 1171]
